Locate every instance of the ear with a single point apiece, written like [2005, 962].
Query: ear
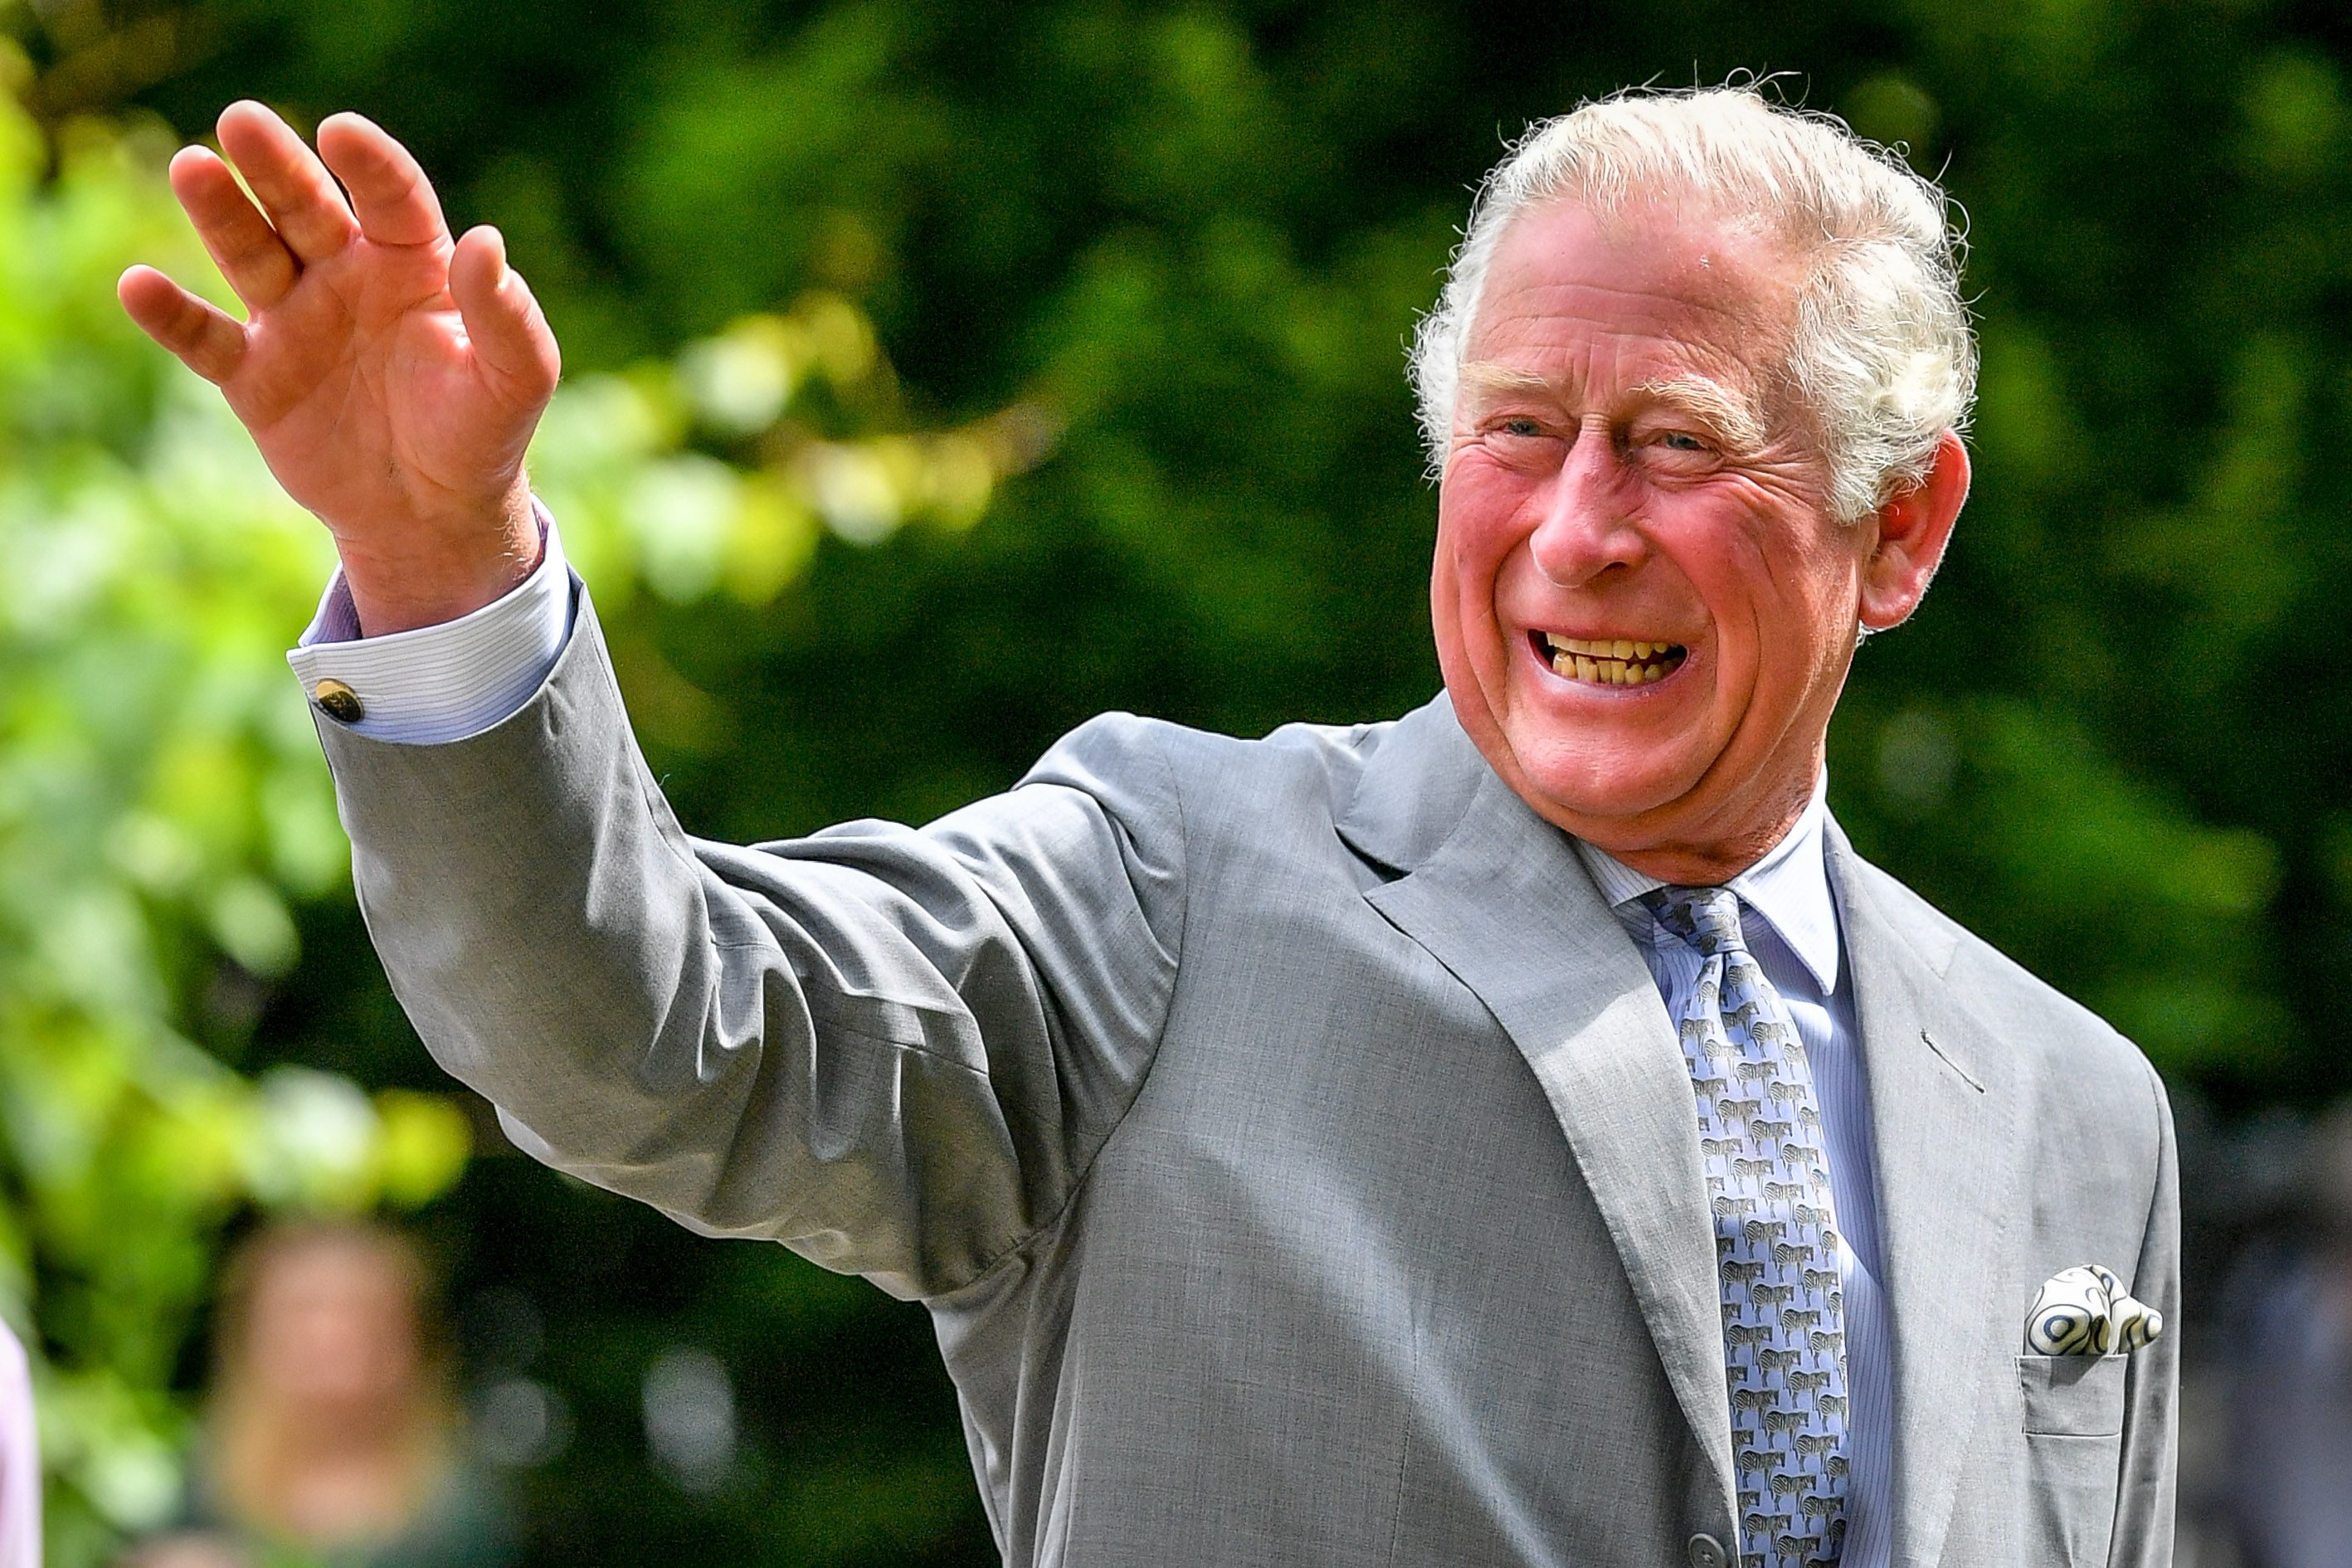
[1913, 528]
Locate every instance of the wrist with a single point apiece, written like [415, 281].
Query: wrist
[429, 577]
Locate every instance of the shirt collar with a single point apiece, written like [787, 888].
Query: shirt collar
[1789, 887]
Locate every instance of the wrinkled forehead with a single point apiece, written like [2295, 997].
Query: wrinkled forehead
[1711, 288]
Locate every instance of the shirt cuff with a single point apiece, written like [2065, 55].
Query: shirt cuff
[434, 684]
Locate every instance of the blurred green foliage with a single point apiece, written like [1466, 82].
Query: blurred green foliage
[162, 804]
[826, 268]
[158, 812]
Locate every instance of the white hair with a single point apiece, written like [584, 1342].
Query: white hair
[1880, 354]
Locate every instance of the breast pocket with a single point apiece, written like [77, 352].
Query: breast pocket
[2072, 1430]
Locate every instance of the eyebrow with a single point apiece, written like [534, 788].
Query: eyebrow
[1489, 376]
[1726, 412]
[1729, 414]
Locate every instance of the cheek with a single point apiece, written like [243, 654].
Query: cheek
[1783, 621]
[1454, 620]
[1817, 600]
[1462, 616]
[1478, 508]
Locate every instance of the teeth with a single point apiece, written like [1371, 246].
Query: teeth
[1614, 661]
[1635, 668]
[1605, 647]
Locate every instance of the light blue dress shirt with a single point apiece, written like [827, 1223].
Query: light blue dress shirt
[1789, 915]
[447, 682]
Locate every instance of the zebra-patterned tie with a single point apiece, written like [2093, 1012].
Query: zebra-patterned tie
[1776, 1239]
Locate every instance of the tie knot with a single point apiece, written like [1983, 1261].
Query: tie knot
[1707, 918]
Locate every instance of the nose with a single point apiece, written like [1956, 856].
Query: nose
[1586, 526]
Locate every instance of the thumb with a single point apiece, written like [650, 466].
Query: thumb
[511, 341]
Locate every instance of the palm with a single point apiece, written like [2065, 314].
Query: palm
[363, 391]
[390, 377]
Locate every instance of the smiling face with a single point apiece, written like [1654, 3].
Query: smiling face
[1644, 609]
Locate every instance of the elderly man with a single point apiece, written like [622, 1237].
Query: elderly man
[1524, 1132]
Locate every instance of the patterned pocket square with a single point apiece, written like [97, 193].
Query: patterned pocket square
[2084, 1311]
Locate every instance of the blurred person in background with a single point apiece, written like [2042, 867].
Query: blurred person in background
[20, 1460]
[332, 1433]
[2290, 1338]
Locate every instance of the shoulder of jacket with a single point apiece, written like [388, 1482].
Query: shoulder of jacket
[1327, 755]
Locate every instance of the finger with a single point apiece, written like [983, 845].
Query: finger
[243, 246]
[296, 191]
[203, 337]
[389, 195]
[511, 336]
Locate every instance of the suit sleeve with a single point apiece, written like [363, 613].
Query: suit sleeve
[2145, 1495]
[893, 1049]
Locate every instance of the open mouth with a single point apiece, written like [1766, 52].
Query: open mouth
[1609, 662]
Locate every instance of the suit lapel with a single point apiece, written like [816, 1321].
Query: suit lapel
[1503, 903]
[1943, 1130]
[1500, 899]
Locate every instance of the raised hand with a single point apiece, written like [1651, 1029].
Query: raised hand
[390, 377]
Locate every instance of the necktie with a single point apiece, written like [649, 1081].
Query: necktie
[1776, 1238]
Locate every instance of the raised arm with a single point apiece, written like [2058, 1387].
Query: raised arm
[895, 1050]
[391, 376]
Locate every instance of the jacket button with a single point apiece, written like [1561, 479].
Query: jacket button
[338, 701]
[1706, 1551]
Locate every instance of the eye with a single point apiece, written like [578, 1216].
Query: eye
[1520, 426]
[1673, 451]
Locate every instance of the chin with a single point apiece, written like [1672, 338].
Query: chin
[1584, 791]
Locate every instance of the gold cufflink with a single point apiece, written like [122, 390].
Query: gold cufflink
[338, 701]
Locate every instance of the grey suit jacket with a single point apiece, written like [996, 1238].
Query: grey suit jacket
[1294, 1154]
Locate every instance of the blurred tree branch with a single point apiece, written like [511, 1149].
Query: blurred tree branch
[90, 56]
